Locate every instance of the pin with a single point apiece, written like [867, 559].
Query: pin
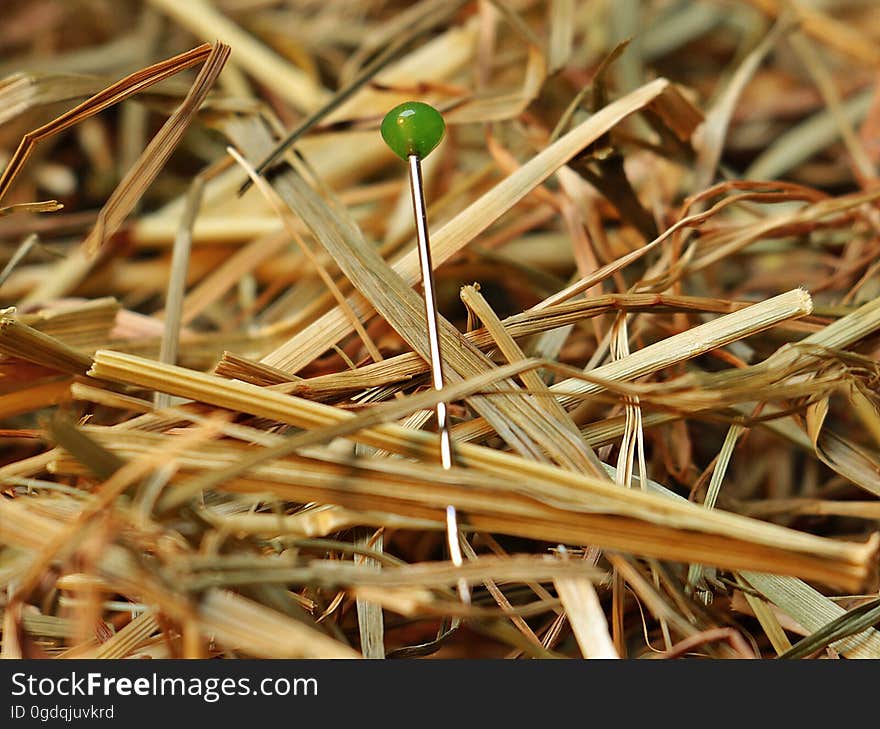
[412, 130]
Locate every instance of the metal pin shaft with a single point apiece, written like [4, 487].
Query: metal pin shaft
[446, 454]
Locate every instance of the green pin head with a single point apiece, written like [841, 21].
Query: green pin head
[413, 128]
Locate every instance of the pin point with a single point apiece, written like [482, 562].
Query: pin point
[412, 130]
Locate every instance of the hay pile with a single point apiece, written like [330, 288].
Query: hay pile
[655, 232]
